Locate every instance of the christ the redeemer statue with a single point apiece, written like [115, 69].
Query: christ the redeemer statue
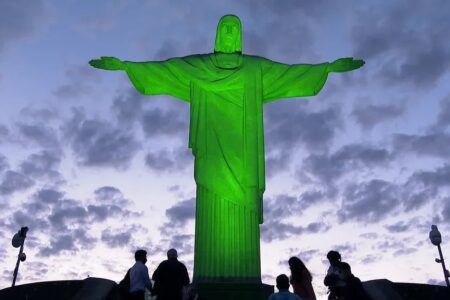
[226, 91]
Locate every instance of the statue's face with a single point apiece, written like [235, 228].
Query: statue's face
[229, 38]
[229, 33]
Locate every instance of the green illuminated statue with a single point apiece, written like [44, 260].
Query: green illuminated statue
[226, 91]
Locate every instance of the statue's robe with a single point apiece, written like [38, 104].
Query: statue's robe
[227, 139]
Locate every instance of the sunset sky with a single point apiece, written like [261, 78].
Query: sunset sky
[96, 170]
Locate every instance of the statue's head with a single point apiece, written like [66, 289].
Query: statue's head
[229, 35]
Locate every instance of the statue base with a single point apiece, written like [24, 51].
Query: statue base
[233, 291]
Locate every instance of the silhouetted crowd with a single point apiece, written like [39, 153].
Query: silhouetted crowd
[341, 283]
[171, 280]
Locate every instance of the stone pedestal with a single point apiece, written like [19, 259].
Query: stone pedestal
[233, 291]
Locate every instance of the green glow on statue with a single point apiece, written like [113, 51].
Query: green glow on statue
[226, 91]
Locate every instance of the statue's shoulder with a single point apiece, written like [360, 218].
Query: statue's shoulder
[254, 58]
[196, 57]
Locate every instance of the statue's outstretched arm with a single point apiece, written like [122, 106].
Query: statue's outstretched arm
[108, 63]
[345, 64]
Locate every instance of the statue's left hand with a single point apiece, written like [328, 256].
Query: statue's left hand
[108, 63]
[345, 64]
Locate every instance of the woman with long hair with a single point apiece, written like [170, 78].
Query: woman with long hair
[301, 279]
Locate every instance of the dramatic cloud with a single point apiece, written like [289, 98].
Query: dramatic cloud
[184, 243]
[289, 125]
[98, 143]
[13, 181]
[432, 144]
[406, 53]
[110, 194]
[395, 246]
[118, 238]
[304, 255]
[281, 206]
[3, 163]
[19, 19]
[40, 134]
[276, 230]
[369, 201]
[168, 49]
[370, 259]
[129, 106]
[266, 40]
[48, 196]
[36, 270]
[415, 196]
[80, 82]
[35, 221]
[345, 249]
[157, 121]
[277, 210]
[355, 157]
[40, 165]
[444, 114]
[284, 206]
[40, 114]
[371, 115]
[398, 227]
[445, 214]
[34, 213]
[306, 8]
[66, 213]
[100, 213]
[181, 213]
[68, 243]
[438, 178]
[4, 133]
[69, 223]
[170, 160]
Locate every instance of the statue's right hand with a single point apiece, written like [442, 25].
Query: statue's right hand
[107, 63]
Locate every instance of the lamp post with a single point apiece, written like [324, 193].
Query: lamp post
[436, 239]
[18, 241]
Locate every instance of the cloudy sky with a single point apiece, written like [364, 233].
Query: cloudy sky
[96, 170]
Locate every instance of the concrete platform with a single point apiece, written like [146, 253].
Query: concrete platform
[383, 289]
[234, 291]
[104, 289]
[87, 289]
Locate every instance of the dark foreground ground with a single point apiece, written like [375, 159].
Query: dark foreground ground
[104, 289]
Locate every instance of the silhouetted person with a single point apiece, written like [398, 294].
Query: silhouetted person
[283, 290]
[333, 278]
[139, 279]
[353, 288]
[170, 277]
[301, 279]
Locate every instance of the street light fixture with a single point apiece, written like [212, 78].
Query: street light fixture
[436, 239]
[18, 240]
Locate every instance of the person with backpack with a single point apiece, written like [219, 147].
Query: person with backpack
[170, 277]
[136, 279]
[353, 288]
